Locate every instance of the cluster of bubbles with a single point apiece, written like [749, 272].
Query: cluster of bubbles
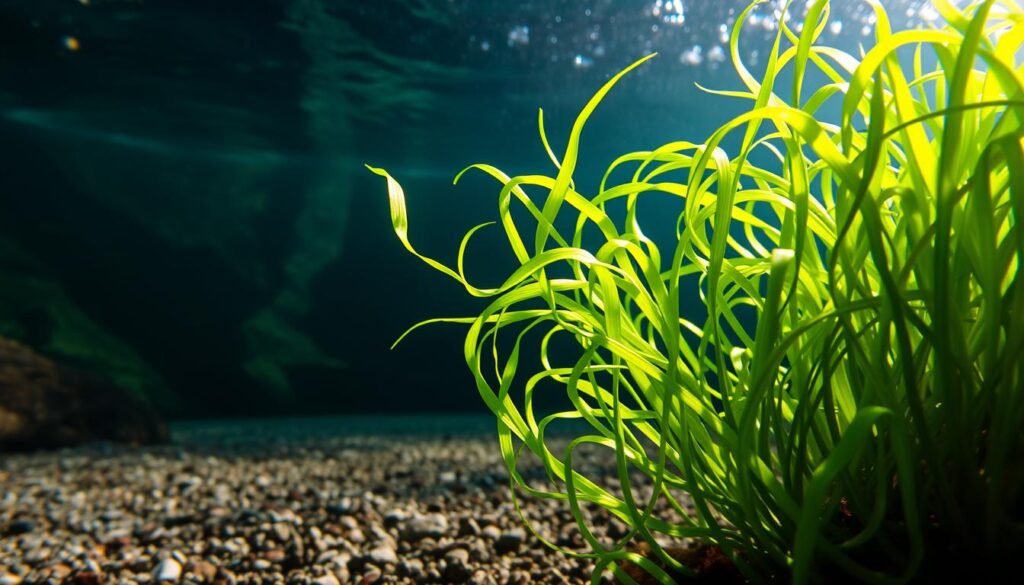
[670, 12]
[768, 17]
[519, 35]
[697, 32]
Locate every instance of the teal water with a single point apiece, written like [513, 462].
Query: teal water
[183, 207]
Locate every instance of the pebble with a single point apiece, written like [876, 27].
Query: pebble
[412, 567]
[383, 554]
[510, 541]
[281, 531]
[458, 556]
[326, 512]
[468, 527]
[169, 570]
[205, 570]
[275, 555]
[356, 535]
[394, 518]
[422, 526]
[19, 527]
[371, 575]
[38, 555]
[491, 532]
[59, 572]
[328, 579]
[481, 577]
[457, 566]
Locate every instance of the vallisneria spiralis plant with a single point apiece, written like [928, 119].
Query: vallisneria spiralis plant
[868, 423]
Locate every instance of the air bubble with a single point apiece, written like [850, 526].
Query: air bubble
[519, 36]
[716, 54]
[669, 11]
[692, 56]
[582, 61]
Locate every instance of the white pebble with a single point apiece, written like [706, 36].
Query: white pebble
[328, 579]
[168, 570]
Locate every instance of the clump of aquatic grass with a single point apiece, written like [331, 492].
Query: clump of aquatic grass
[874, 405]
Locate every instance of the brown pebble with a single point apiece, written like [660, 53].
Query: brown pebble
[275, 555]
[371, 574]
[205, 570]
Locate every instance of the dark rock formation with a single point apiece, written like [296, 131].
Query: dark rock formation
[44, 405]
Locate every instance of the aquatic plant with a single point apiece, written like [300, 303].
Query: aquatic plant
[869, 414]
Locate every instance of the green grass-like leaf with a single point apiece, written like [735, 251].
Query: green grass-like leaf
[876, 403]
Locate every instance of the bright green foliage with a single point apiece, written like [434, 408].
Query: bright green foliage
[877, 405]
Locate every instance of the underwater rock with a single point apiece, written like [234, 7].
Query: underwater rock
[37, 309]
[44, 405]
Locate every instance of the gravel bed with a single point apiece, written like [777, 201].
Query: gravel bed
[320, 510]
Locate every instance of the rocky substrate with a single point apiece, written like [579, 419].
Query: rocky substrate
[328, 511]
